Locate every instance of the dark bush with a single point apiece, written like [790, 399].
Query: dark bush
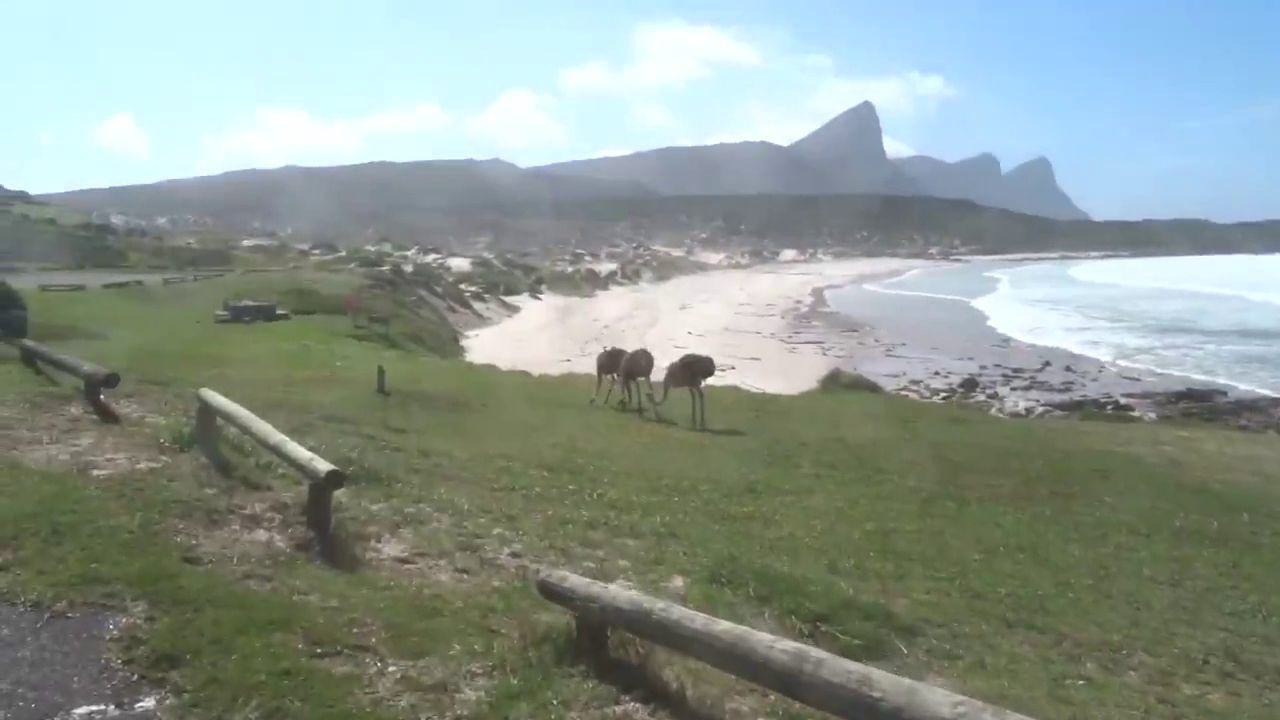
[13, 312]
[838, 379]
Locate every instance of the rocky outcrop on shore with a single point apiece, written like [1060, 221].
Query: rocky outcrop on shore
[1055, 399]
[1255, 413]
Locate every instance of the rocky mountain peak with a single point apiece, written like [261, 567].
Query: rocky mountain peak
[852, 136]
[1037, 170]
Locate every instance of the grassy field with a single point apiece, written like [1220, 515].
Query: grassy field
[1062, 569]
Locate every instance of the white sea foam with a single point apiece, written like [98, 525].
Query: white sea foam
[1151, 313]
[889, 286]
[1252, 277]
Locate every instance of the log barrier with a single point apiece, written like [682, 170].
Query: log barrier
[94, 377]
[323, 478]
[818, 679]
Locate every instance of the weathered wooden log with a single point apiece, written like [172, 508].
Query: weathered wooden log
[382, 380]
[88, 372]
[62, 287]
[316, 469]
[122, 284]
[94, 377]
[175, 279]
[805, 674]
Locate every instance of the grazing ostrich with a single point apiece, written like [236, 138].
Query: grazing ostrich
[690, 371]
[637, 366]
[608, 362]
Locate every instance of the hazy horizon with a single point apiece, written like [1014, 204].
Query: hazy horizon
[1148, 110]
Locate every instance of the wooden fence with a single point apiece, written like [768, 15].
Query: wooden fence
[95, 378]
[322, 476]
[805, 674]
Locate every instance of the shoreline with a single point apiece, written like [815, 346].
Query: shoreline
[772, 328]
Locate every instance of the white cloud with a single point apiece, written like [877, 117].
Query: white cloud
[899, 94]
[780, 125]
[815, 94]
[663, 55]
[652, 115]
[121, 135]
[894, 147]
[797, 91]
[281, 135]
[520, 119]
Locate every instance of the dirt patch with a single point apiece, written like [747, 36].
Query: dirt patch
[58, 431]
[416, 688]
[257, 527]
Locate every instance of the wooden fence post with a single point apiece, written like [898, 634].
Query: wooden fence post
[323, 478]
[93, 396]
[591, 638]
[382, 381]
[319, 512]
[207, 435]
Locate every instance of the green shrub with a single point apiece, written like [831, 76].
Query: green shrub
[838, 379]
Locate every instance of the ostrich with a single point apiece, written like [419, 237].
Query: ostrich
[608, 362]
[637, 366]
[690, 371]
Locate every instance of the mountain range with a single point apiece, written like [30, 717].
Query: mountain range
[844, 156]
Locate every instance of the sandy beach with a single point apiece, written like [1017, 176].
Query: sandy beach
[757, 323]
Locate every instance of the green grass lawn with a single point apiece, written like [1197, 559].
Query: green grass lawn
[1059, 568]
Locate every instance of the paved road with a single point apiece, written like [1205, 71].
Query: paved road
[52, 665]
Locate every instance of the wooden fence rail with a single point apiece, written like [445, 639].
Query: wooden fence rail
[323, 477]
[94, 377]
[805, 674]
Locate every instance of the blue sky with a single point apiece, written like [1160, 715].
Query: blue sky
[1147, 109]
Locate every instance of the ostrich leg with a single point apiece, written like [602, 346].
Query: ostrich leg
[613, 379]
[702, 403]
[653, 403]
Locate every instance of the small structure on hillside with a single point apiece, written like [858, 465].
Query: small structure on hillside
[249, 311]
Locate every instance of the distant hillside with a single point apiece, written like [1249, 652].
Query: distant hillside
[342, 202]
[28, 239]
[8, 196]
[492, 203]
[845, 155]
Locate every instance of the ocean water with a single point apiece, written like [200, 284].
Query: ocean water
[1214, 318]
